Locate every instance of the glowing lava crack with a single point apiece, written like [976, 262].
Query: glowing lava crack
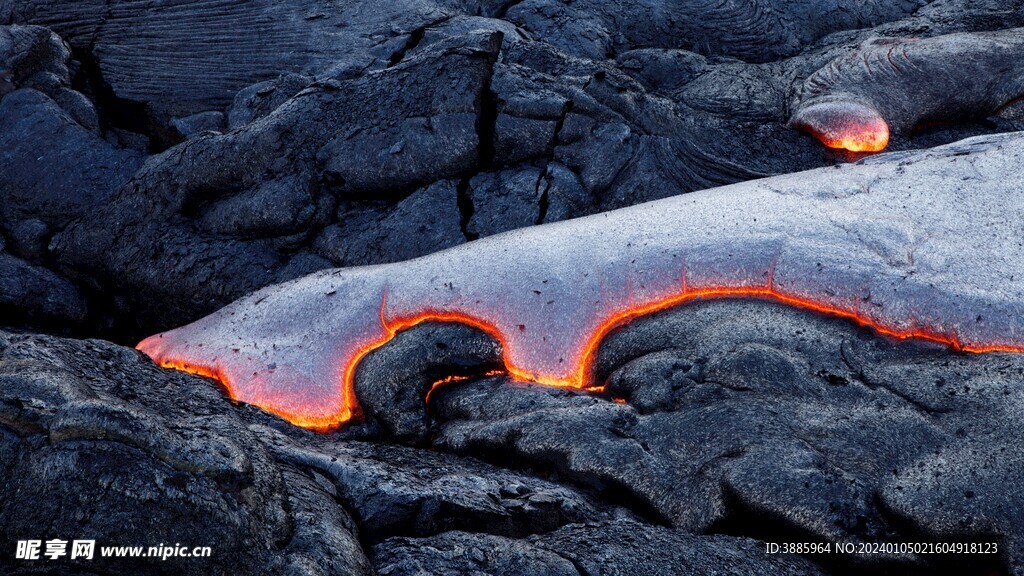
[914, 251]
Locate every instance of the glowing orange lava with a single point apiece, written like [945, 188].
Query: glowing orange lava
[318, 423]
[581, 377]
[860, 139]
[457, 378]
[847, 126]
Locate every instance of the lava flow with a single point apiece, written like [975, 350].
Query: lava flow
[581, 376]
[842, 125]
[936, 268]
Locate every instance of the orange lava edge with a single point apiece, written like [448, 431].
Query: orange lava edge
[867, 132]
[318, 423]
[859, 143]
[581, 378]
[457, 378]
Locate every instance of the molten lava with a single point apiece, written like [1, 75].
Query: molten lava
[580, 376]
[457, 378]
[843, 125]
[904, 249]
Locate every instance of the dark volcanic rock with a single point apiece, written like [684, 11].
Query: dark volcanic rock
[207, 50]
[422, 223]
[259, 100]
[55, 169]
[34, 57]
[35, 296]
[755, 31]
[391, 490]
[455, 553]
[179, 58]
[99, 444]
[55, 165]
[264, 189]
[758, 419]
[606, 549]
[393, 384]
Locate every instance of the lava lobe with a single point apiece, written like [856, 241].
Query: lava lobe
[894, 85]
[844, 125]
[933, 269]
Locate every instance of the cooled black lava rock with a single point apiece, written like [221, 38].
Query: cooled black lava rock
[396, 491]
[393, 383]
[35, 296]
[56, 167]
[34, 57]
[227, 214]
[57, 170]
[604, 549]
[100, 444]
[762, 420]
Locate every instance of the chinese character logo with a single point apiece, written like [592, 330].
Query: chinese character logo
[83, 549]
[28, 549]
[56, 549]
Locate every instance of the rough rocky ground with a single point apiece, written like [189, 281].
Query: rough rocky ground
[163, 159]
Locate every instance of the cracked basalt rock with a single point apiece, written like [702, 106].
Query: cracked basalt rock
[34, 296]
[264, 190]
[98, 444]
[395, 491]
[754, 31]
[429, 219]
[56, 165]
[34, 57]
[178, 58]
[57, 169]
[256, 41]
[393, 384]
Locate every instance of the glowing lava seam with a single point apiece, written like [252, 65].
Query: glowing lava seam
[581, 377]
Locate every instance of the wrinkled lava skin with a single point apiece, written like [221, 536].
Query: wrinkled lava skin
[910, 247]
[892, 85]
